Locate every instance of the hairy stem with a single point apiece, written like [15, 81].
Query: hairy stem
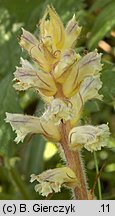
[75, 163]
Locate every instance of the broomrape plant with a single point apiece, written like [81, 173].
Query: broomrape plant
[65, 81]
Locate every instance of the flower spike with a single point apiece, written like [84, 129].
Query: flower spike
[65, 80]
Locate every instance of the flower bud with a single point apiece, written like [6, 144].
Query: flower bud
[52, 28]
[72, 32]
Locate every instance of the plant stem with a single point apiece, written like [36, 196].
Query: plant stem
[75, 163]
[97, 172]
[74, 160]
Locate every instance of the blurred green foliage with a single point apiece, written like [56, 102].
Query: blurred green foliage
[17, 162]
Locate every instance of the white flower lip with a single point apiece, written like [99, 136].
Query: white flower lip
[25, 124]
[51, 180]
[90, 137]
[58, 110]
[29, 76]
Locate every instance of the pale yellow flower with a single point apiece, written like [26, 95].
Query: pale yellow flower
[53, 33]
[71, 109]
[64, 66]
[51, 180]
[53, 54]
[88, 90]
[29, 76]
[72, 32]
[90, 137]
[72, 70]
[53, 39]
[38, 51]
[58, 110]
[25, 124]
[87, 66]
[53, 29]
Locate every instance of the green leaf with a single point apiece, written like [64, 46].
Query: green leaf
[9, 53]
[104, 22]
[108, 87]
[8, 103]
